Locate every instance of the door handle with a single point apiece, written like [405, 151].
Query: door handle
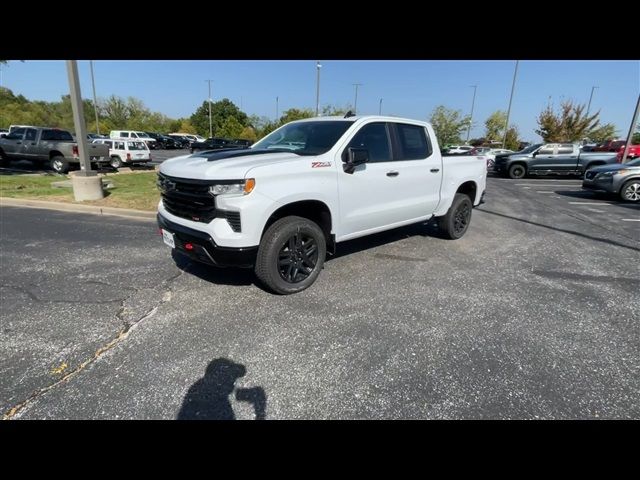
[392, 173]
[435, 170]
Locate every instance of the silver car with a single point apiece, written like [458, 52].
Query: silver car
[622, 179]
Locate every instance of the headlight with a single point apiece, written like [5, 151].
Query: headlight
[240, 188]
[606, 174]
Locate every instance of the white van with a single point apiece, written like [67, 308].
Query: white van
[135, 135]
[126, 151]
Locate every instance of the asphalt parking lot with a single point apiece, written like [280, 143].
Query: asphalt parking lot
[533, 314]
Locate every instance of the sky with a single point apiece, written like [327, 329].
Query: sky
[409, 89]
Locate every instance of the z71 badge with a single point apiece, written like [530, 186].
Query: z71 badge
[320, 164]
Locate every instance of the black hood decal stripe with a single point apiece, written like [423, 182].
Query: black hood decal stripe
[224, 153]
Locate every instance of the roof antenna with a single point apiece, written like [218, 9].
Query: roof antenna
[349, 114]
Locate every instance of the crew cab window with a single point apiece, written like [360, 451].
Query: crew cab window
[413, 142]
[566, 148]
[56, 135]
[546, 150]
[31, 134]
[17, 134]
[374, 138]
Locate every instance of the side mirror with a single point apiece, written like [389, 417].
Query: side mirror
[534, 154]
[355, 157]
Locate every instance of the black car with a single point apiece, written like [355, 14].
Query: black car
[216, 144]
[171, 143]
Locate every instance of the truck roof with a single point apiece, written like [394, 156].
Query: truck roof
[382, 118]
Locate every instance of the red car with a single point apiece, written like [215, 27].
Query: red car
[634, 152]
[610, 146]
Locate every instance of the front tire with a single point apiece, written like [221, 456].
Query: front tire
[291, 255]
[59, 164]
[630, 191]
[456, 222]
[517, 171]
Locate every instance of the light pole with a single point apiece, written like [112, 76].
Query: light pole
[590, 98]
[513, 86]
[95, 101]
[631, 129]
[210, 122]
[276, 109]
[473, 102]
[318, 67]
[380, 108]
[355, 102]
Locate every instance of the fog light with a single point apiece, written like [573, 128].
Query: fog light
[188, 246]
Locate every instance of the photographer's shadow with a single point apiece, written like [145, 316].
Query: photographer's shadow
[208, 398]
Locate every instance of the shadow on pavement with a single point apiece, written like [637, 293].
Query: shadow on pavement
[220, 276]
[208, 398]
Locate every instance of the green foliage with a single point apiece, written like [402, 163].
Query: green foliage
[114, 113]
[570, 124]
[635, 138]
[331, 111]
[448, 124]
[494, 126]
[512, 142]
[221, 111]
[248, 133]
[603, 133]
[230, 128]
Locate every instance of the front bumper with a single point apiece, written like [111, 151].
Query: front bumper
[205, 250]
[606, 184]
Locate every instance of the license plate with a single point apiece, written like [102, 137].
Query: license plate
[168, 238]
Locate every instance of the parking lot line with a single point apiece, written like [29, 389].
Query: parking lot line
[545, 191]
[590, 203]
[631, 219]
[595, 210]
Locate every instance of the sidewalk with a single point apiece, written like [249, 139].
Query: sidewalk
[74, 207]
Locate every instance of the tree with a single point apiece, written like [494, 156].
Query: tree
[448, 124]
[295, 114]
[512, 142]
[603, 133]
[248, 133]
[220, 111]
[230, 128]
[570, 124]
[635, 138]
[331, 111]
[494, 126]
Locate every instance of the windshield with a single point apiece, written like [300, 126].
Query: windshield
[305, 138]
[531, 148]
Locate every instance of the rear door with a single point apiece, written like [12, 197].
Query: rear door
[566, 158]
[30, 144]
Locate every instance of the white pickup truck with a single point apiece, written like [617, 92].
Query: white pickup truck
[280, 205]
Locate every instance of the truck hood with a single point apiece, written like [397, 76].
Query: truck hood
[223, 165]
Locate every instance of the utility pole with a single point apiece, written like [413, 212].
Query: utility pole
[318, 67]
[95, 100]
[473, 102]
[355, 102]
[277, 111]
[380, 108]
[513, 86]
[590, 98]
[210, 121]
[86, 183]
[631, 129]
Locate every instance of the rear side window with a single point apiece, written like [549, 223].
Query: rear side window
[31, 134]
[414, 144]
[109, 143]
[565, 148]
[137, 146]
[119, 145]
[124, 134]
[56, 135]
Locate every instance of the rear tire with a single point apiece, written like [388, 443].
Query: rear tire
[517, 171]
[291, 255]
[630, 191]
[59, 164]
[4, 161]
[455, 223]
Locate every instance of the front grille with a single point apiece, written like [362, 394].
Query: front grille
[187, 198]
[233, 219]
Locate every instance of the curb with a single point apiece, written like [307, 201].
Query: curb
[72, 207]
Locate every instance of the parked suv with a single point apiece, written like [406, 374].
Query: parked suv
[125, 151]
[134, 135]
